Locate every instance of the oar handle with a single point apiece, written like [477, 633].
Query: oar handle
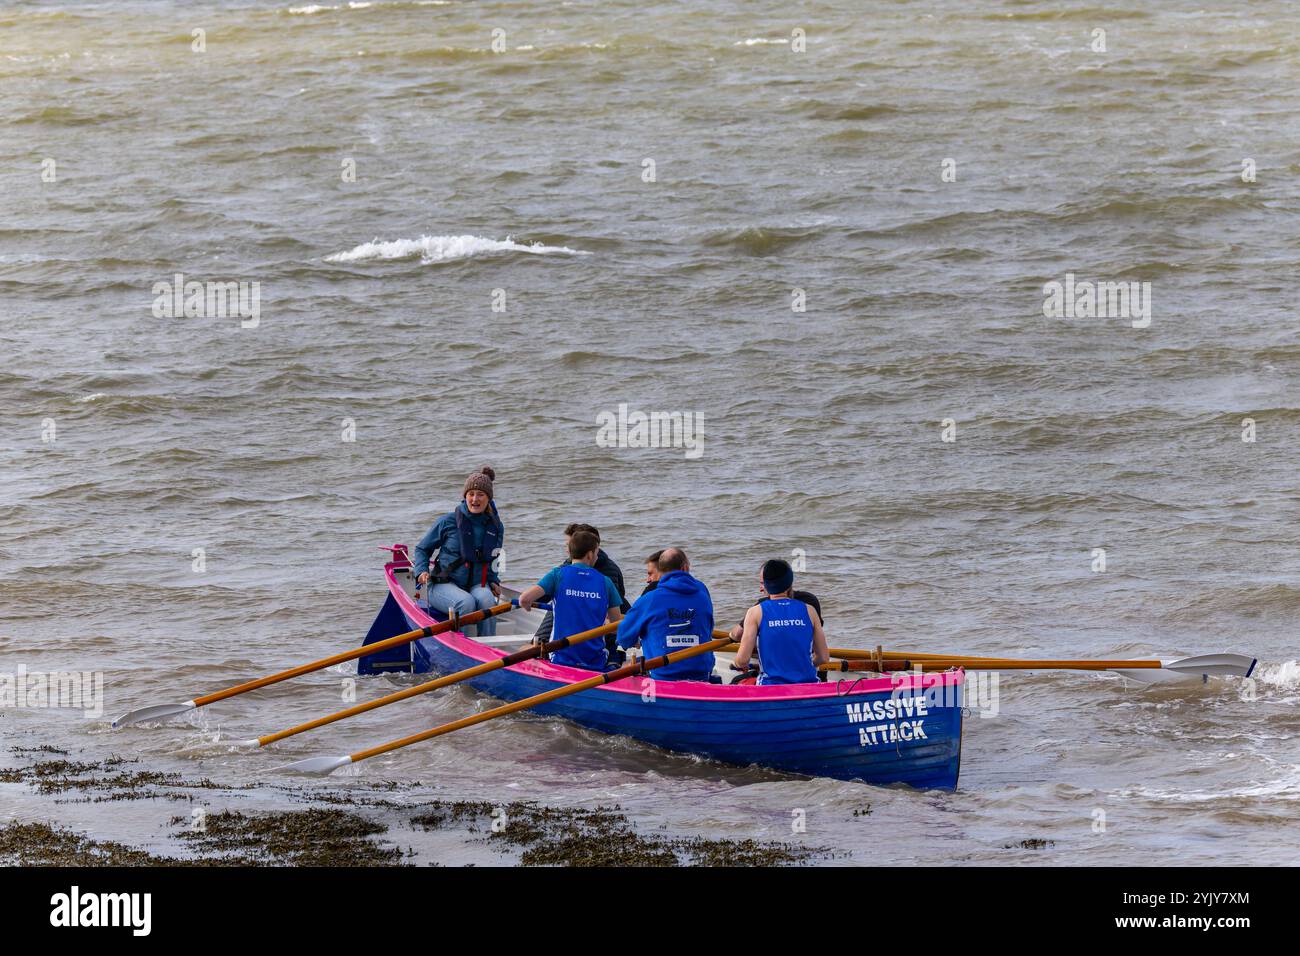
[540, 605]
[721, 640]
[854, 654]
[454, 623]
[882, 667]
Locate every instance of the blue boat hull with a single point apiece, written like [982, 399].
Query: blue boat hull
[904, 730]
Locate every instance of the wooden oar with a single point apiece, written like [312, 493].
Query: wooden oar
[1204, 665]
[328, 764]
[527, 653]
[159, 711]
[857, 654]
[1147, 671]
[987, 664]
[854, 654]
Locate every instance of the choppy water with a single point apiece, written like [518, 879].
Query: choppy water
[774, 170]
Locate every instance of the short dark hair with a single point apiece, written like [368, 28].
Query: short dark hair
[654, 558]
[672, 559]
[581, 543]
[578, 526]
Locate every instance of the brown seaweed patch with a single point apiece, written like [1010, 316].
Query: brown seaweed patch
[576, 836]
[38, 844]
[312, 837]
[301, 838]
[63, 776]
[353, 798]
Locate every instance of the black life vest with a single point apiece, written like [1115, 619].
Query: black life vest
[478, 559]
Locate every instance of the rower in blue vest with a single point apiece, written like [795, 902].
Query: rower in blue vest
[751, 676]
[786, 633]
[676, 615]
[467, 542]
[606, 566]
[582, 599]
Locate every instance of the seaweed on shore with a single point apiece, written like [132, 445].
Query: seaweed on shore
[311, 837]
[65, 776]
[42, 749]
[294, 838]
[1033, 843]
[603, 836]
[38, 844]
[331, 836]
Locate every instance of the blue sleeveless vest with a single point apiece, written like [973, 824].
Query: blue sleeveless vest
[581, 603]
[785, 641]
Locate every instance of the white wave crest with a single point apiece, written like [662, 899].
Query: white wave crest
[362, 5]
[444, 249]
[755, 41]
[1286, 674]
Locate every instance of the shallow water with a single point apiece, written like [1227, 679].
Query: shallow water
[774, 170]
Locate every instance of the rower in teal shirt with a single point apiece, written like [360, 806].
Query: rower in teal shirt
[582, 599]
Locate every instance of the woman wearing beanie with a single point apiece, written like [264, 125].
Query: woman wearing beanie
[464, 545]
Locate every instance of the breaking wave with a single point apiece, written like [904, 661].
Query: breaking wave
[1286, 674]
[311, 8]
[445, 249]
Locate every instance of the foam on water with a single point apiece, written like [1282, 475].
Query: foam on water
[1286, 674]
[362, 5]
[445, 248]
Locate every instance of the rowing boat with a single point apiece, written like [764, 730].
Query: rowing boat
[904, 728]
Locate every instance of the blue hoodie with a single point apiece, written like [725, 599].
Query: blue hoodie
[674, 616]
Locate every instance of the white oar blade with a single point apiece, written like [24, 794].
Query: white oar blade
[1214, 665]
[1191, 669]
[156, 712]
[321, 765]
